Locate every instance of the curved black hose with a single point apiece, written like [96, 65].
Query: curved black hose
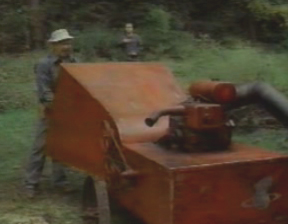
[266, 96]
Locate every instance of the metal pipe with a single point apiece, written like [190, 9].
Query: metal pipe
[266, 96]
[154, 117]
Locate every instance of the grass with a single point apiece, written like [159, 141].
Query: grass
[17, 88]
[18, 115]
[16, 131]
[234, 65]
[270, 139]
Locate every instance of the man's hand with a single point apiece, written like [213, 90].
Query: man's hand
[45, 109]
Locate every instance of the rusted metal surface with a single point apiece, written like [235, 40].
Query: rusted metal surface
[181, 188]
[122, 94]
[97, 125]
[130, 92]
[150, 197]
[238, 153]
[198, 116]
[203, 116]
[213, 91]
[194, 127]
[220, 193]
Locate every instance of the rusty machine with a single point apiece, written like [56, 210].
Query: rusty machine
[164, 154]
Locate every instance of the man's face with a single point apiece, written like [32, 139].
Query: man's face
[62, 49]
[129, 28]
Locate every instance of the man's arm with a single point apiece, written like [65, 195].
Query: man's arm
[123, 40]
[44, 83]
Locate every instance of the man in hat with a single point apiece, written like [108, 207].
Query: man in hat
[46, 78]
[131, 43]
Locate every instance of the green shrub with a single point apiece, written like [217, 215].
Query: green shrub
[98, 42]
[159, 39]
[157, 20]
[12, 41]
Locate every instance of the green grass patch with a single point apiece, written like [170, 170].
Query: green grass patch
[234, 65]
[16, 131]
[270, 139]
[17, 88]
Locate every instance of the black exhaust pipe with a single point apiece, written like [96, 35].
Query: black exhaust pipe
[264, 95]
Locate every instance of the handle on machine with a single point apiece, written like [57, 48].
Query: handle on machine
[154, 117]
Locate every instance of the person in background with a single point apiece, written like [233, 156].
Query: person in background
[131, 43]
[46, 71]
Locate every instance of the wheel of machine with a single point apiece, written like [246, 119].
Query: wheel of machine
[96, 208]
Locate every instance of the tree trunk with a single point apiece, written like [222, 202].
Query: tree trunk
[36, 18]
[252, 29]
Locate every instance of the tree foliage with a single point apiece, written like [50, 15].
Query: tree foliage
[25, 27]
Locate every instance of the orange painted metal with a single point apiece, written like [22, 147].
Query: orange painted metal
[169, 187]
[205, 188]
[198, 116]
[213, 91]
[202, 116]
[124, 94]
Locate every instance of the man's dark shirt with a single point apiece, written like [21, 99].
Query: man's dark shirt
[46, 71]
[133, 47]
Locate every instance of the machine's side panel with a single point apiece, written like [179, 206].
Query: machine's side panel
[150, 195]
[75, 135]
[130, 92]
[251, 192]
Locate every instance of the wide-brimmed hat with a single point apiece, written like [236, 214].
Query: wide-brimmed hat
[58, 35]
